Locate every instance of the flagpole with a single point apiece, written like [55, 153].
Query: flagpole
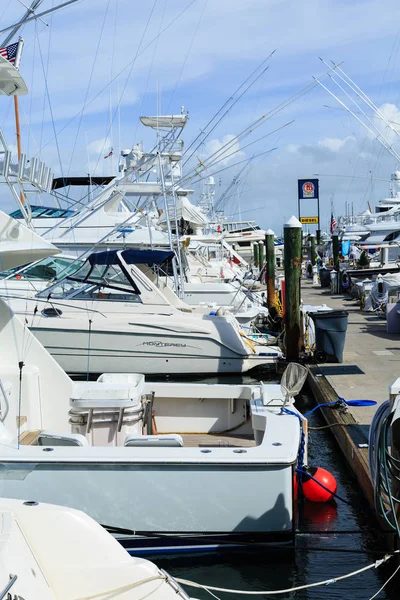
[17, 127]
[16, 107]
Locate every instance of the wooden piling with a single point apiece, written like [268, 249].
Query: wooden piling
[335, 251]
[336, 260]
[312, 249]
[270, 249]
[255, 254]
[292, 249]
[261, 254]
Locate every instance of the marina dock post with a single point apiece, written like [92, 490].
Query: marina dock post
[292, 235]
[312, 249]
[261, 254]
[255, 254]
[270, 250]
[336, 261]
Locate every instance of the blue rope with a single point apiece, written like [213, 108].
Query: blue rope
[302, 447]
[342, 402]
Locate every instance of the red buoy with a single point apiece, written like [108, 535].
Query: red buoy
[312, 489]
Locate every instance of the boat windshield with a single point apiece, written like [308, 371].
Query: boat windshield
[48, 269]
[95, 282]
[44, 211]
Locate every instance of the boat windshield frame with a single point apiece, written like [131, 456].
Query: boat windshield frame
[88, 281]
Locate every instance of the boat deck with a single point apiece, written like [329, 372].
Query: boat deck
[209, 440]
[190, 440]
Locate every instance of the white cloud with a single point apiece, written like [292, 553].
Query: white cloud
[223, 151]
[389, 124]
[102, 145]
[336, 144]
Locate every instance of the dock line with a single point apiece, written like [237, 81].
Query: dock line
[374, 565]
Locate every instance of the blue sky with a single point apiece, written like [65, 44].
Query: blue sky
[198, 62]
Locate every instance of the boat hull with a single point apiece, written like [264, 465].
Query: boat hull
[143, 352]
[168, 499]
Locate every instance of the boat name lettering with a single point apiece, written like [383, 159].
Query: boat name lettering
[163, 344]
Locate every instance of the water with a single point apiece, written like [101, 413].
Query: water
[334, 539]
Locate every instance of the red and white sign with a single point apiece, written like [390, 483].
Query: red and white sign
[308, 190]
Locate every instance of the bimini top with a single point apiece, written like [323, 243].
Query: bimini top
[131, 257]
[11, 81]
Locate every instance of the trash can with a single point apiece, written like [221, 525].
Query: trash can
[325, 277]
[330, 334]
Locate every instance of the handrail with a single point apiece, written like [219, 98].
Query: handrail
[13, 579]
[3, 417]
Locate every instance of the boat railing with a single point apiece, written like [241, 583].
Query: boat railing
[4, 592]
[370, 219]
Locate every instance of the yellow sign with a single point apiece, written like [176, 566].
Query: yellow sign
[308, 220]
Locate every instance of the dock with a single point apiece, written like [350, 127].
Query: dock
[371, 362]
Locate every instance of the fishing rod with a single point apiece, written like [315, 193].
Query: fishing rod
[231, 99]
[274, 111]
[378, 137]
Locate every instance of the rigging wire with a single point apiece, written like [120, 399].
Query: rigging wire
[226, 157]
[131, 69]
[204, 135]
[5, 9]
[51, 109]
[149, 72]
[31, 95]
[233, 165]
[274, 111]
[96, 54]
[187, 55]
[226, 103]
[129, 64]
[111, 72]
[45, 75]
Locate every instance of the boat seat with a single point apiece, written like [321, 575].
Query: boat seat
[171, 440]
[50, 438]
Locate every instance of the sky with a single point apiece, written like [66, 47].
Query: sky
[94, 67]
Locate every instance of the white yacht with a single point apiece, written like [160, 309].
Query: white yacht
[51, 552]
[380, 227]
[200, 464]
[109, 316]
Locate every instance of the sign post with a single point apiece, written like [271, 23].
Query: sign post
[308, 189]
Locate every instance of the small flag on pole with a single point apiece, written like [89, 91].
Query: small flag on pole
[109, 154]
[333, 223]
[10, 52]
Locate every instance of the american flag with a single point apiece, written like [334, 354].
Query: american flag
[109, 154]
[333, 223]
[10, 52]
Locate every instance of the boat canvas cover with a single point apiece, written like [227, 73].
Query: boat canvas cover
[131, 257]
[187, 211]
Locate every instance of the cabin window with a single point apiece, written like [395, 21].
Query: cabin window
[44, 211]
[100, 292]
